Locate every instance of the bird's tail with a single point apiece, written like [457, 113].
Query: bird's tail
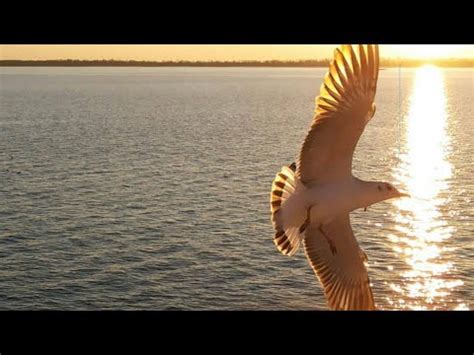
[289, 211]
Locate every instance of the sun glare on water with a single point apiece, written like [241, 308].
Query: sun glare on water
[423, 233]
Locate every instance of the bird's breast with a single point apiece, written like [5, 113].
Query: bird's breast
[327, 201]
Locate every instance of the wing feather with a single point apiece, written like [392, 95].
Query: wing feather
[342, 274]
[342, 110]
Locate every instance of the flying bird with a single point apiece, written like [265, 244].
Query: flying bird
[312, 198]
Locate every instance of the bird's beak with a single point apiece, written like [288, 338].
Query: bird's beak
[403, 194]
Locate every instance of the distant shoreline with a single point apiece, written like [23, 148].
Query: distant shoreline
[387, 63]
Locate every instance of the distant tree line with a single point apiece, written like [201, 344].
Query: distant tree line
[181, 63]
[388, 63]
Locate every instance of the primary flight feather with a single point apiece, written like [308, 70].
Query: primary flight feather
[311, 200]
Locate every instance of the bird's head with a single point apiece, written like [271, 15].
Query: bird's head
[378, 191]
[388, 191]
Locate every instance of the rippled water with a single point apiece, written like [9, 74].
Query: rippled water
[130, 188]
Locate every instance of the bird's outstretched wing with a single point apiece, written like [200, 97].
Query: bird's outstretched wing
[339, 266]
[343, 108]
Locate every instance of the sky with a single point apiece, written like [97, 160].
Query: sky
[218, 52]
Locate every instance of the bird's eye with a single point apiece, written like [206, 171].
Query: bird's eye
[379, 187]
[389, 187]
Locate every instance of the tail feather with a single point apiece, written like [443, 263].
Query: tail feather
[288, 211]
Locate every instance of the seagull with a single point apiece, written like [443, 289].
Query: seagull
[312, 198]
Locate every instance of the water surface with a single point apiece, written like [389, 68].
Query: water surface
[148, 188]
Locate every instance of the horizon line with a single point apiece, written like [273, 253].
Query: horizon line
[387, 62]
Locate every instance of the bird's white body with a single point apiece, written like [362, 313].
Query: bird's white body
[323, 202]
[328, 200]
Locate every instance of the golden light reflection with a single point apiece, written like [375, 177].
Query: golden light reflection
[422, 228]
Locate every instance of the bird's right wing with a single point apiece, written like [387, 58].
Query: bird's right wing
[343, 108]
[339, 267]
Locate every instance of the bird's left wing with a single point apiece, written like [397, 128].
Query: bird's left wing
[338, 263]
[343, 108]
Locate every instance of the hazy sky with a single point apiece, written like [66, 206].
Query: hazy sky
[218, 52]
